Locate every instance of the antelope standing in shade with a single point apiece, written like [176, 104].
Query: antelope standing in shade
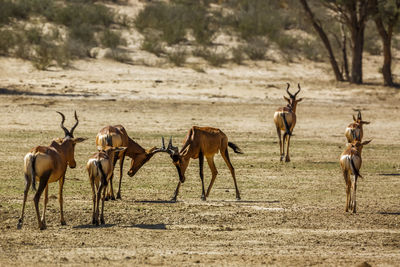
[203, 142]
[354, 132]
[285, 120]
[100, 168]
[350, 162]
[116, 136]
[48, 164]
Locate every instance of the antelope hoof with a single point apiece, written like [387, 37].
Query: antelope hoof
[203, 198]
[238, 198]
[173, 199]
[106, 198]
[63, 222]
[118, 195]
[287, 160]
[281, 158]
[113, 198]
[42, 226]
[93, 221]
[102, 221]
[19, 225]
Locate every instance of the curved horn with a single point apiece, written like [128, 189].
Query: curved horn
[287, 90]
[67, 133]
[76, 124]
[359, 115]
[298, 85]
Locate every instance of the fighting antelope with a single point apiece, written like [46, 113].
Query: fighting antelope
[48, 164]
[354, 132]
[100, 169]
[202, 142]
[285, 120]
[350, 162]
[116, 136]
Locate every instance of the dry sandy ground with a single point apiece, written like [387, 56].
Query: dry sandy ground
[290, 214]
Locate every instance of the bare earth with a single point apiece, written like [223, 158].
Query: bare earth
[290, 214]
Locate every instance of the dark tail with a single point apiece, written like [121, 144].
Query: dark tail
[103, 175]
[354, 169]
[235, 148]
[283, 115]
[33, 171]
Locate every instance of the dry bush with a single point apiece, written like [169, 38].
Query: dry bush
[177, 57]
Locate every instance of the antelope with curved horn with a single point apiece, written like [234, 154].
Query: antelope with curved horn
[285, 120]
[203, 142]
[116, 136]
[100, 169]
[350, 162]
[354, 131]
[48, 164]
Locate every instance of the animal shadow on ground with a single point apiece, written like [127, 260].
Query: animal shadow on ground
[157, 226]
[89, 225]
[156, 201]
[389, 213]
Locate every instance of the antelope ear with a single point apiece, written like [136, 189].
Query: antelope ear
[365, 122]
[366, 142]
[59, 140]
[79, 140]
[287, 99]
[151, 150]
[298, 100]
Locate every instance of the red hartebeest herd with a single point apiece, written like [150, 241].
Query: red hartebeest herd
[48, 164]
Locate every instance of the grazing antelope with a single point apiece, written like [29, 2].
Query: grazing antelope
[48, 164]
[202, 142]
[350, 162]
[116, 136]
[100, 169]
[354, 132]
[285, 120]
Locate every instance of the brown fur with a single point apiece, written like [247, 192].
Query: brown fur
[119, 138]
[287, 113]
[205, 142]
[100, 168]
[48, 164]
[350, 163]
[354, 131]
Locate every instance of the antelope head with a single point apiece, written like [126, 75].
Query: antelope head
[68, 142]
[357, 145]
[177, 159]
[359, 118]
[292, 101]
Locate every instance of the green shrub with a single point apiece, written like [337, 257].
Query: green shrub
[44, 55]
[238, 55]
[34, 35]
[177, 57]
[255, 49]
[119, 55]
[7, 41]
[111, 39]
[212, 57]
[152, 44]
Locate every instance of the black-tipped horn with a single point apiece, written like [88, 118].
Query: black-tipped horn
[170, 142]
[76, 124]
[162, 142]
[67, 133]
[359, 115]
[287, 90]
[298, 85]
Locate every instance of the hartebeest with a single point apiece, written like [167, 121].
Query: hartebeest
[116, 136]
[100, 168]
[285, 120]
[203, 142]
[350, 162]
[354, 132]
[48, 164]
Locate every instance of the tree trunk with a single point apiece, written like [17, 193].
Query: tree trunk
[386, 36]
[358, 47]
[344, 52]
[325, 40]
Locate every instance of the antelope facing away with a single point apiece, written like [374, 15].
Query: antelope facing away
[350, 162]
[203, 142]
[48, 164]
[116, 136]
[100, 169]
[354, 132]
[285, 120]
